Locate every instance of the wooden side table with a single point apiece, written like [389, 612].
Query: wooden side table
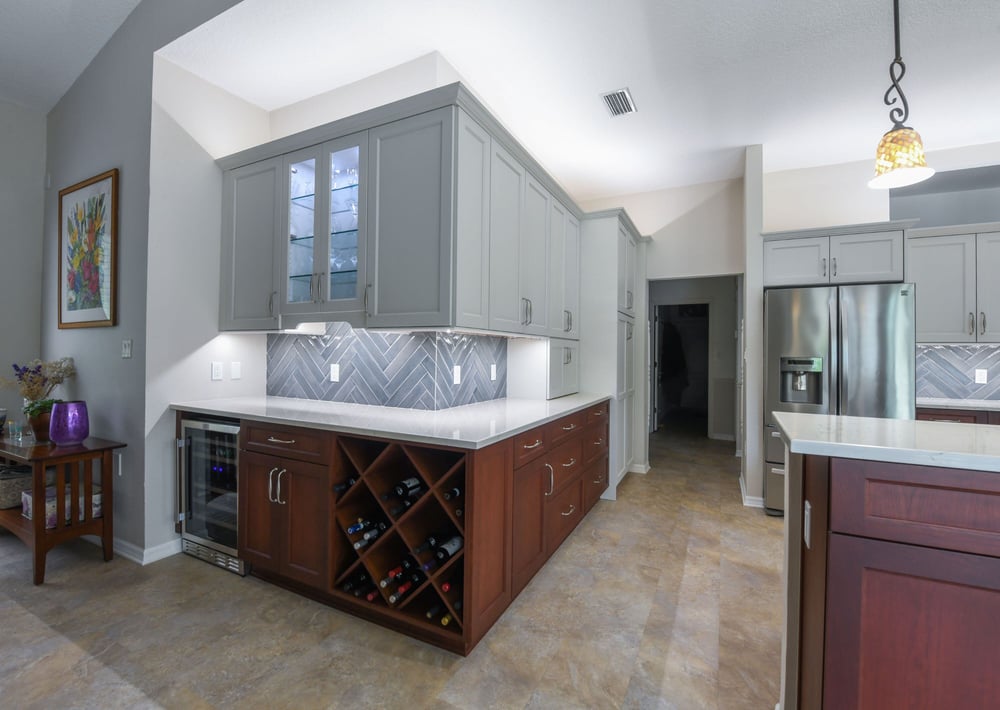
[74, 481]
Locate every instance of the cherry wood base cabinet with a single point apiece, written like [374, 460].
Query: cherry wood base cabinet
[431, 541]
[910, 566]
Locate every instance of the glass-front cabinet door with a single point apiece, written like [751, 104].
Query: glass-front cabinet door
[325, 230]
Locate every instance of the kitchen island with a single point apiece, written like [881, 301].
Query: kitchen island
[429, 523]
[892, 563]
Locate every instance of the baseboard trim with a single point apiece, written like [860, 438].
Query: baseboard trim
[750, 501]
[160, 552]
[139, 555]
[722, 437]
[639, 468]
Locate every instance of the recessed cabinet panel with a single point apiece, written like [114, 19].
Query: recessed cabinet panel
[866, 258]
[410, 221]
[472, 228]
[533, 257]
[571, 278]
[797, 262]
[506, 204]
[944, 271]
[988, 287]
[249, 298]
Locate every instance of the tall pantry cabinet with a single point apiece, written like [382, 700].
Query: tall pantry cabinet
[613, 301]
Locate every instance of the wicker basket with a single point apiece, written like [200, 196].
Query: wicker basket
[13, 481]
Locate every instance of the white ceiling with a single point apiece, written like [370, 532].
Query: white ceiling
[803, 77]
[46, 44]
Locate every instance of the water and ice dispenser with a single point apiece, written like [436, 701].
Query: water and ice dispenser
[802, 380]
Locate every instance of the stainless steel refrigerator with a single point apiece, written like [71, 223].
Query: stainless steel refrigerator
[835, 350]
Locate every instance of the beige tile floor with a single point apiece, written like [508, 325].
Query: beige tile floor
[666, 598]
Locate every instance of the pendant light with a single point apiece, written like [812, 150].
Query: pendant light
[899, 160]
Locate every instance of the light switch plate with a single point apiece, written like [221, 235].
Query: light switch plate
[334, 372]
[981, 376]
[457, 375]
[126, 348]
[235, 370]
[216, 370]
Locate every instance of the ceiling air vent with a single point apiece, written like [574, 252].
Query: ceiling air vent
[619, 102]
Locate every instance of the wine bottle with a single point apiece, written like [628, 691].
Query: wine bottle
[366, 540]
[446, 619]
[372, 595]
[364, 589]
[341, 487]
[458, 512]
[449, 548]
[359, 526]
[426, 544]
[400, 591]
[355, 582]
[429, 565]
[408, 487]
[374, 532]
[455, 492]
[398, 510]
[433, 611]
[446, 587]
[398, 571]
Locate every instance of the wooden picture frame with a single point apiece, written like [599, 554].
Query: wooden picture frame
[88, 252]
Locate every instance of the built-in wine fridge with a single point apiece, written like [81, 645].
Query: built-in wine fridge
[208, 457]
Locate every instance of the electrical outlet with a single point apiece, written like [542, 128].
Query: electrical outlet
[981, 376]
[216, 370]
[126, 348]
[235, 370]
[493, 372]
[457, 375]
[334, 372]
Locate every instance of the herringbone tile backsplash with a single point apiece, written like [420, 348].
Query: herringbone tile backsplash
[414, 371]
[948, 371]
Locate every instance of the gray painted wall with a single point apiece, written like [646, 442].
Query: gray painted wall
[22, 175]
[103, 122]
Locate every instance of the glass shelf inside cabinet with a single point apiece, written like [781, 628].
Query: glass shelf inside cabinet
[301, 229]
[344, 209]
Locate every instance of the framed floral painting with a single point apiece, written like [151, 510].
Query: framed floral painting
[88, 252]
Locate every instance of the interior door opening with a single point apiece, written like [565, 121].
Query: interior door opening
[682, 385]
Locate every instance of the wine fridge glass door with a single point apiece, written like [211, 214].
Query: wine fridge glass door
[210, 469]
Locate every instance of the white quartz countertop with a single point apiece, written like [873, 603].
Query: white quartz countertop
[472, 426]
[985, 405]
[924, 443]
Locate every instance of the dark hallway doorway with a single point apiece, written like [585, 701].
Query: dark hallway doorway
[682, 331]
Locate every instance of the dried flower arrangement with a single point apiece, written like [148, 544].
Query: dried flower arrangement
[37, 379]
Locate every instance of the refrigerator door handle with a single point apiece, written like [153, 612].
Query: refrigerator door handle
[836, 366]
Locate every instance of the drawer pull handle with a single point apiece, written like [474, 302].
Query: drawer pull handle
[599, 413]
[272, 440]
[776, 434]
[270, 484]
[572, 509]
[552, 479]
[571, 462]
[599, 442]
[538, 442]
[599, 480]
[571, 427]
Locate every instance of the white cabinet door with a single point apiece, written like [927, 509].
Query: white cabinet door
[866, 258]
[629, 357]
[631, 271]
[558, 321]
[622, 269]
[797, 262]
[410, 280]
[944, 271]
[621, 359]
[571, 278]
[472, 226]
[251, 222]
[506, 205]
[563, 368]
[533, 257]
[987, 288]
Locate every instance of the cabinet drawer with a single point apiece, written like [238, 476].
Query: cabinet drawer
[529, 446]
[566, 462]
[595, 482]
[597, 413]
[562, 429]
[965, 416]
[595, 442]
[293, 442]
[562, 513]
[949, 508]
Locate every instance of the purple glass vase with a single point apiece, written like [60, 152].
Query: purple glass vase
[69, 423]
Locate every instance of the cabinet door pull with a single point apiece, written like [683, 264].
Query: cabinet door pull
[982, 322]
[571, 427]
[270, 303]
[570, 463]
[572, 509]
[599, 413]
[628, 299]
[270, 484]
[834, 261]
[599, 480]
[524, 311]
[531, 312]
[368, 288]
[273, 440]
[277, 495]
[599, 442]
[972, 323]
[569, 356]
[552, 479]
[568, 321]
[538, 442]
[824, 266]
[312, 288]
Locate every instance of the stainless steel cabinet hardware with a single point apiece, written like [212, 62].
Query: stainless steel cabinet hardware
[569, 427]
[776, 434]
[270, 484]
[834, 266]
[628, 299]
[270, 303]
[599, 442]
[598, 480]
[552, 479]
[572, 509]
[277, 494]
[982, 322]
[368, 287]
[531, 312]
[538, 442]
[824, 266]
[570, 463]
[568, 321]
[972, 323]
[524, 311]
[272, 440]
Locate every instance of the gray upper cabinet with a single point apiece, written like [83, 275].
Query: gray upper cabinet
[533, 258]
[507, 178]
[627, 248]
[958, 297]
[564, 273]
[870, 257]
[410, 222]
[472, 224]
[250, 220]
